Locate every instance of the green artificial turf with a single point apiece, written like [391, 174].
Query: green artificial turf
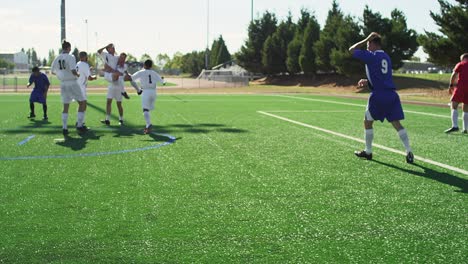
[229, 184]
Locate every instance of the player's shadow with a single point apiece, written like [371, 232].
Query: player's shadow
[79, 143]
[433, 175]
[34, 123]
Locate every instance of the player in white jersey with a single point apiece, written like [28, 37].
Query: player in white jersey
[83, 69]
[64, 66]
[114, 90]
[110, 58]
[148, 79]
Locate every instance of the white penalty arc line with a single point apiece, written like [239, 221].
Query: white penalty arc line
[360, 105]
[442, 165]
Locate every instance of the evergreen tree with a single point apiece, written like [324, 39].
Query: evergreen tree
[307, 55]
[76, 53]
[327, 43]
[348, 33]
[51, 57]
[453, 22]
[213, 54]
[295, 46]
[398, 41]
[250, 54]
[274, 54]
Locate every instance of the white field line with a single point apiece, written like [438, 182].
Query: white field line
[442, 165]
[311, 111]
[360, 105]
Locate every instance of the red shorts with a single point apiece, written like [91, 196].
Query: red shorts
[460, 95]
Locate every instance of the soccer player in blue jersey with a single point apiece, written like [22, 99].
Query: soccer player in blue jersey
[39, 92]
[384, 102]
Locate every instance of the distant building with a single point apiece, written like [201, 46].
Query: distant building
[20, 59]
[421, 67]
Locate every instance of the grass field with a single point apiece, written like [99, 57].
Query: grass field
[231, 178]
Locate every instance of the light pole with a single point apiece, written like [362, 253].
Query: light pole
[62, 21]
[207, 32]
[87, 46]
[251, 11]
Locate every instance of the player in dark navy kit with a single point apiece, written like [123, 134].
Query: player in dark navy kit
[384, 102]
[459, 90]
[39, 92]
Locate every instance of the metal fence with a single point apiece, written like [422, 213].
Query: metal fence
[17, 84]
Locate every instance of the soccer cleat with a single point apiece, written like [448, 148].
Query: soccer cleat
[363, 154]
[465, 132]
[106, 122]
[31, 115]
[125, 94]
[452, 129]
[140, 92]
[121, 122]
[65, 132]
[45, 118]
[147, 130]
[82, 129]
[410, 157]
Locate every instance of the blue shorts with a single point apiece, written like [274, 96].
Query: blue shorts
[385, 105]
[37, 97]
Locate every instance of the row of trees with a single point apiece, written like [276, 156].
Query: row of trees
[277, 47]
[288, 47]
[192, 62]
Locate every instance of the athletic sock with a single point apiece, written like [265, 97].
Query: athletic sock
[64, 120]
[31, 108]
[121, 118]
[107, 117]
[369, 136]
[454, 118]
[80, 118]
[465, 120]
[404, 138]
[147, 118]
[44, 108]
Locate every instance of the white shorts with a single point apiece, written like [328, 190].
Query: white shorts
[114, 92]
[70, 90]
[148, 98]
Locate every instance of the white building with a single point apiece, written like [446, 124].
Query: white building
[20, 59]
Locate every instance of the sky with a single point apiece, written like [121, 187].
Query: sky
[162, 26]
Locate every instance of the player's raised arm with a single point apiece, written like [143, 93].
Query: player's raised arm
[363, 42]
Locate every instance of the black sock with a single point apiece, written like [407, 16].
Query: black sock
[44, 107]
[31, 107]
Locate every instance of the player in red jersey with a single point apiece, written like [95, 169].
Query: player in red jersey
[459, 92]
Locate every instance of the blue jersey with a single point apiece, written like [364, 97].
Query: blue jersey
[41, 82]
[378, 69]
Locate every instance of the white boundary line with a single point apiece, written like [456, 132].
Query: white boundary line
[442, 165]
[360, 105]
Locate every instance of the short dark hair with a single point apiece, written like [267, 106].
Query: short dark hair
[377, 41]
[83, 54]
[464, 56]
[65, 45]
[149, 64]
[35, 69]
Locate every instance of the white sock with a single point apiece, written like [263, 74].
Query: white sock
[454, 118]
[134, 84]
[107, 117]
[80, 118]
[465, 120]
[404, 138]
[64, 120]
[147, 118]
[84, 115]
[121, 118]
[369, 136]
